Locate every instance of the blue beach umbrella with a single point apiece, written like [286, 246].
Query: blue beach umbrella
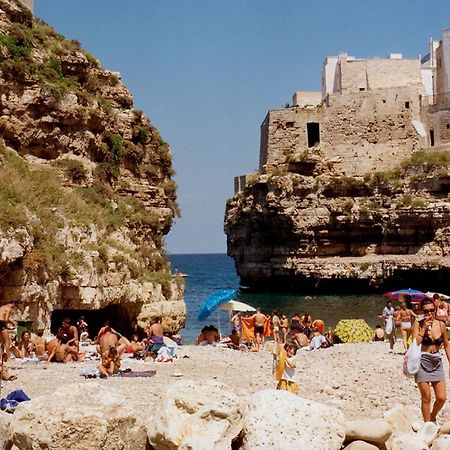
[415, 295]
[214, 300]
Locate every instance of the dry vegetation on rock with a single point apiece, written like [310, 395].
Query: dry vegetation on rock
[86, 188]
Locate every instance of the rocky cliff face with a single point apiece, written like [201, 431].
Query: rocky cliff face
[86, 194]
[307, 227]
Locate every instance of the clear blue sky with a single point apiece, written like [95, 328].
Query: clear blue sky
[207, 71]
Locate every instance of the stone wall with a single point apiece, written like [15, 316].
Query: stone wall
[304, 99]
[366, 131]
[439, 122]
[376, 73]
[443, 63]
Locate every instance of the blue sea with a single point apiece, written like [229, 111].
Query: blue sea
[208, 273]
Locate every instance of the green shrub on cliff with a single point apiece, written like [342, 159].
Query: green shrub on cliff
[252, 178]
[344, 186]
[427, 160]
[40, 199]
[18, 42]
[74, 170]
[410, 201]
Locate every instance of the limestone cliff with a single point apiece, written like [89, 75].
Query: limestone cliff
[86, 189]
[308, 227]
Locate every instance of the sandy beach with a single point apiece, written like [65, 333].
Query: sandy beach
[362, 380]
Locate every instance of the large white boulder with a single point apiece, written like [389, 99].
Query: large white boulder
[402, 418]
[281, 420]
[428, 432]
[79, 416]
[5, 419]
[408, 441]
[445, 428]
[376, 431]
[441, 443]
[196, 415]
[361, 445]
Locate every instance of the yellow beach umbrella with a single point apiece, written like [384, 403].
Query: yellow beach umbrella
[353, 330]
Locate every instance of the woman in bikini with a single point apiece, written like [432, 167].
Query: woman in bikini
[431, 334]
[441, 310]
[406, 318]
[22, 348]
[275, 326]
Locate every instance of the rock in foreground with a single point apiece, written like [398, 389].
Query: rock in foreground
[80, 416]
[281, 420]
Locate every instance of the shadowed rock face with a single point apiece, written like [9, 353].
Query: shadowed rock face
[86, 193]
[328, 232]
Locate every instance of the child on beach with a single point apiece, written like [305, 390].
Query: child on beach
[286, 368]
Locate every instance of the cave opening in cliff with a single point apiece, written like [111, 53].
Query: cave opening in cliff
[313, 130]
[121, 317]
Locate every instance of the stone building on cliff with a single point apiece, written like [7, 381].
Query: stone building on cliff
[369, 114]
[353, 188]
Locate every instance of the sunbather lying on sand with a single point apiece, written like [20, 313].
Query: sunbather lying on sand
[135, 345]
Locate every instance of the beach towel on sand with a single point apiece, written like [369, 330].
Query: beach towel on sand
[137, 374]
[12, 400]
[248, 328]
[281, 364]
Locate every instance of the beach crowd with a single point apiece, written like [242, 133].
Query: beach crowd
[419, 324]
[67, 344]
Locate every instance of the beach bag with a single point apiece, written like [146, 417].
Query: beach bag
[411, 363]
[389, 325]
[164, 355]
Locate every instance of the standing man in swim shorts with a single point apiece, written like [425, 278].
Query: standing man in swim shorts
[5, 319]
[259, 319]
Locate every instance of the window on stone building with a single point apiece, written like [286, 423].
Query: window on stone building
[407, 105]
[313, 130]
[290, 124]
[432, 138]
[384, 101]
[362, 89]
[448, 126]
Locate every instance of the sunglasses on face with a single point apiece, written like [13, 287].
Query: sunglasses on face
[428, 311]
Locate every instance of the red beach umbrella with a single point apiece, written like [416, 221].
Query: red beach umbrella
[416, 296]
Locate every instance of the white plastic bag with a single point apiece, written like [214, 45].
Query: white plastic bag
[389, 325]
[411, 363]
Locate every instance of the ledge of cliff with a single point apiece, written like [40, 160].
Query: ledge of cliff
[86, 189]
[306, 227]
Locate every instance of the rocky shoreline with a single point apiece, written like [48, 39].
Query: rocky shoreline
[204, 400]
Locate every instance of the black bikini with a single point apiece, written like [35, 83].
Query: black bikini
[426, 340]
